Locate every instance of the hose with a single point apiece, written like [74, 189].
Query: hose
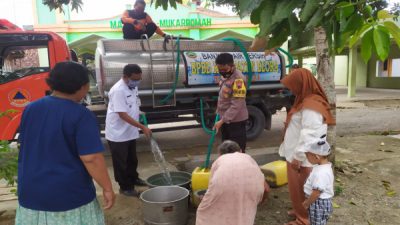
[178, 62]
[143, 119]
[210, 144]
[203, 124]
[290, 57]
[246, 56]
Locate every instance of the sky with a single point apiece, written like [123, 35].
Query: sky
[20, 11]
[22, 16]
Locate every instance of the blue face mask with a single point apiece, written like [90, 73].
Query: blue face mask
[133, 83]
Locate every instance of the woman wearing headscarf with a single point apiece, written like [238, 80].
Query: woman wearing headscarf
[309, 113]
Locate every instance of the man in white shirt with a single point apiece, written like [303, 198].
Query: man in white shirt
[122, 129]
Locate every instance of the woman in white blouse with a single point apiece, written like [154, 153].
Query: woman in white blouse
[309, 113]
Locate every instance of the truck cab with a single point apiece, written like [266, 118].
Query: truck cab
[26, 57]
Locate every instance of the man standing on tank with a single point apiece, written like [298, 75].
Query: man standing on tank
[231, 101]
[136, 22]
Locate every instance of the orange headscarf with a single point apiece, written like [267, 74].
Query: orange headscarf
[309, 94]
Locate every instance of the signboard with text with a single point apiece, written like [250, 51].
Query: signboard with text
[184, 22]
[202, 70]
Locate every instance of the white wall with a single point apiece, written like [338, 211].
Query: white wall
[341, 69]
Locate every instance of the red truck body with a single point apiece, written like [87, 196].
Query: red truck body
[26, 57]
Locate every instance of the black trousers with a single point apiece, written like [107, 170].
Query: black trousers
[130, 32]
[125, 163]
[236, 132]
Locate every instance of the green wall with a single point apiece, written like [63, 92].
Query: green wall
[71, 37]
[208, 33]
[383, 82]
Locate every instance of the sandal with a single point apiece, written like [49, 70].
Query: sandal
[291, 213]
[294, 222]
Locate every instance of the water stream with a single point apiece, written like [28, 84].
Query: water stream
[159, 158]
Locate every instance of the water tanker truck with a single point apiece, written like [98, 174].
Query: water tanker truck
[180, 80]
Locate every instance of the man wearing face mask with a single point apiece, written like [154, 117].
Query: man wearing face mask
[122, 129]
[136, 22]
[231, 101]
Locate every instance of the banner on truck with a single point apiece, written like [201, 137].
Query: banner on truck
[201, 67]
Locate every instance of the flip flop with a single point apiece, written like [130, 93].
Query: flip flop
[294, 222]
[291, 213]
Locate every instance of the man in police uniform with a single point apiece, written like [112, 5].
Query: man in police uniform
[231, 101]
[122, 129]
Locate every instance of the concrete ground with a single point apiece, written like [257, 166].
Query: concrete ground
[361, 120]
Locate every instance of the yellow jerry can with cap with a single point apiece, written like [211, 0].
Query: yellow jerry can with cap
[200, 179]
[275, 173]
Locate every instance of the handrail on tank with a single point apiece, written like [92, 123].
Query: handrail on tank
[171, 38]
[144, 37]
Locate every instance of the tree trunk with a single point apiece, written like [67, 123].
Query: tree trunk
[326, 79]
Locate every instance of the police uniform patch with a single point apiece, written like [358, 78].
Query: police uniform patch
[226, 92]
[239, 89]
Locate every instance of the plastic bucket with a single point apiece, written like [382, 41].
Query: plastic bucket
[179, 178]
[167, 205]
[196, 197]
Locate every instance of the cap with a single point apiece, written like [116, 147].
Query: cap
[319, 146]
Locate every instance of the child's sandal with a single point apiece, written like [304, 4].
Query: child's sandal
[291, 213]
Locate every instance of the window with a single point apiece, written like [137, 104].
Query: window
[388, 68]
[21, 61]
[395, 68]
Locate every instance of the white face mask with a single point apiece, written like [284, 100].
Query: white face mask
[133, 83]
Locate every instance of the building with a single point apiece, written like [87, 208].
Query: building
[350, 69]
[82, 30]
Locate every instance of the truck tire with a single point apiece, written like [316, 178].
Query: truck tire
[256, 122]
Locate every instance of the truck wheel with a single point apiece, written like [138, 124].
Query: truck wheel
[255, 124]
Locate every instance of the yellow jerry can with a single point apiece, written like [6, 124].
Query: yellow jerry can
[275, 173]
[200, 178]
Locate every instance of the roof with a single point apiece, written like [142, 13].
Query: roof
[7, 25]
[18, 32]
[211, 13]
[88, 43]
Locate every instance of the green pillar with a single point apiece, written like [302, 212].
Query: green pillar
[300, 61]
[351, 84]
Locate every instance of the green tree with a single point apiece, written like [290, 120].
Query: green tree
[8, 157]
[336, 24]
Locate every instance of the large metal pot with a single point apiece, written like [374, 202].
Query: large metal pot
[179, 178]
[166, 205]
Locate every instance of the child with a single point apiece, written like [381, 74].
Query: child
[319, 185]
